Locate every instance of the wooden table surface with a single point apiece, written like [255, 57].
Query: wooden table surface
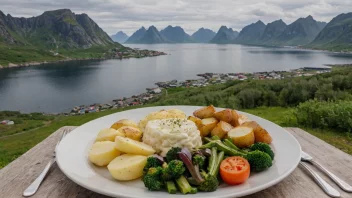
[16, 176]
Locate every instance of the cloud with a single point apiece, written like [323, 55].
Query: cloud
[129, 15]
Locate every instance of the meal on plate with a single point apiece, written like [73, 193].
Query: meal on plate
[175, 153]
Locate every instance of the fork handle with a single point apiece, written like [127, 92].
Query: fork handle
[32, 189]
[332, 192]
[343, 185]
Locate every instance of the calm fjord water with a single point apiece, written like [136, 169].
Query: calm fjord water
[58, 87]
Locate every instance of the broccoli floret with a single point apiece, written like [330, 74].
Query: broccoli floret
[258, 160]
[172, 154]
[263, 147]
[199, 160]
[176, 168]
[151, 162]
[210, 184]
[171, 187]
[172, 170]
[152, 179]
[183, 185]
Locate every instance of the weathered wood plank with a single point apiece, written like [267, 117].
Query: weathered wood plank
[15, 177]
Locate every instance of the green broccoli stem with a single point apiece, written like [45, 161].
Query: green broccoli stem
[215, 170]
[212, 159]
[183, 185]
[193, 190]
[171, 187]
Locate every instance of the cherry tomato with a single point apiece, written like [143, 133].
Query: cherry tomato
[234, 170]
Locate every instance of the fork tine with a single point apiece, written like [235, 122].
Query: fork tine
[62, 136]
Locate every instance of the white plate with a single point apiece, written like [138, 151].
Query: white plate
[73, 150]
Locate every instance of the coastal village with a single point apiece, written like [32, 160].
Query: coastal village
[205, 80]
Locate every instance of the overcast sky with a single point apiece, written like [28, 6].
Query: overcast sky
[129, 15]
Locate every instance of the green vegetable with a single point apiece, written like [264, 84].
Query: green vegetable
[152, 179]
[258, 160]
[171, 187]
[151, 162]
[212, 159]
[215, 137]
[172, 154]
[228, 142]
[215, 170]
[198, 160]
[193, 190]
[183, 186]
[206, 139]
[175, 168]
[260, 146]
[210, 184]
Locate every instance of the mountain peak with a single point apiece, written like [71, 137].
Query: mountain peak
[259, 22]
[58, 12]
[120, 37]
[203, 35]
[176, 34]
[71, 30]
[309, 17]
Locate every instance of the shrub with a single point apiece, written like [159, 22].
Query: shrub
[322, 114]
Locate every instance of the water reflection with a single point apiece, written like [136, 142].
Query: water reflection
[60, 86]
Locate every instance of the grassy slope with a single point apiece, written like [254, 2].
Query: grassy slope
[23, 54]
[10, 149]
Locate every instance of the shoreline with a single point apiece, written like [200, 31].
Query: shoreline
[204, 80]
[129, 53]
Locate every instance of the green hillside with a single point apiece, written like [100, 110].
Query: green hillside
[321, 105]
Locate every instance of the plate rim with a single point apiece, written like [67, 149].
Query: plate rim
[245, 192]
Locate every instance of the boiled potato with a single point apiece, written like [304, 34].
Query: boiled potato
[260, 134]
[196, 120]
[130, 146]
[124, 122]
[224, 115]
[131, 132]
[242, 136]
[205, 112]
[108, 135]
[242, 119]
[234, 122]
[208, 124]
[127, 167]
[102, 153]
[221, 129]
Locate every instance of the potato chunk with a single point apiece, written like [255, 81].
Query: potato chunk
[208, 124]
[224, 115]
[124, 122]
[130, 146]
[260, 134]
[127, 167]
[102, 153]
[131, 132]
[205, 112]
[242, 136]
[221, 129]
[196, 120]
[235, 119]
[108, 135]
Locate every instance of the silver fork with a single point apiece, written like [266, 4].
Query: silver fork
[32, 189]
[343, 185]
